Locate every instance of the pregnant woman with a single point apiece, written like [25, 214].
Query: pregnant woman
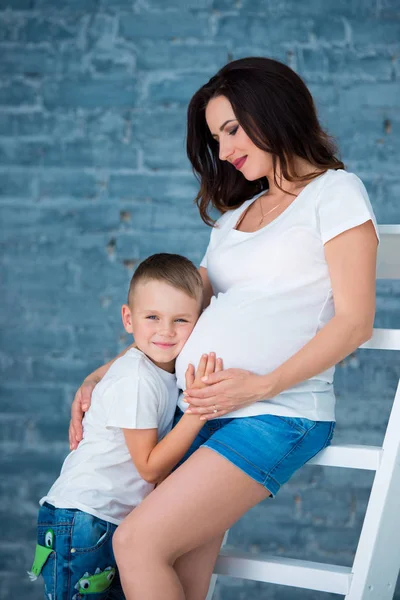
[289, 275]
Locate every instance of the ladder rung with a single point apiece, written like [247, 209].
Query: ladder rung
[350, 457]
[284, 571]
[383, 339]
[388, 265]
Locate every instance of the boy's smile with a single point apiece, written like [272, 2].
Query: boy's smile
[161, 318]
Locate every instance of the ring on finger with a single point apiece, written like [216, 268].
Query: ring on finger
[215, 408]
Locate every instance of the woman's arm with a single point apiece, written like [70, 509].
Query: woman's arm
[351, 258]
[155, 461]
[82, 400]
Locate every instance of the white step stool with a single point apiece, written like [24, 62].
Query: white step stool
[377, 560]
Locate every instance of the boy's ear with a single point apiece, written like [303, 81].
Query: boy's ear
[127, 318]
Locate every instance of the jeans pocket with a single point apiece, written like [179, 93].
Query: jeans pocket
[89, 533]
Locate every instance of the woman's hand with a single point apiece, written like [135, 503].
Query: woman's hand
[79, 406]
[227, 391]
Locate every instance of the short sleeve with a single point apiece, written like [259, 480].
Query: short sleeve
[134, 403]
[214, 236]
[204, 259]
[342, 205]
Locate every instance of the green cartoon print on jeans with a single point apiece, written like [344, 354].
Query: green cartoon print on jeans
[88, 584]
[42, 553]
[92, 584]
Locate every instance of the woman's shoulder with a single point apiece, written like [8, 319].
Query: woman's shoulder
[343, 179]
[343, 203]
[338, 185]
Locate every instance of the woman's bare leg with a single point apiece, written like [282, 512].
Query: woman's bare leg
[198, 502]
[195, 568]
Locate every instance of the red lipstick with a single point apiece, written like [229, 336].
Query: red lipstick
[238, 164]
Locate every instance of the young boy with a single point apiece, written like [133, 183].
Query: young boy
[126, 448]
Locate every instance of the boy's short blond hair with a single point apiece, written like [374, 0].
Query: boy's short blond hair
[174, 269]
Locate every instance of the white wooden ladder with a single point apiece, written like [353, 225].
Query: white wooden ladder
[377, 560]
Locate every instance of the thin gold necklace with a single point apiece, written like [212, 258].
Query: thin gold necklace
[263, 215]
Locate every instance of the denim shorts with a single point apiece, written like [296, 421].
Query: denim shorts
[82, 555]
[268, 448]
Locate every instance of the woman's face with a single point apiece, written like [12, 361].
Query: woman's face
[235, 146]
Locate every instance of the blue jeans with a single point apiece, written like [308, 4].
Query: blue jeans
[268, 448]
[82, 545]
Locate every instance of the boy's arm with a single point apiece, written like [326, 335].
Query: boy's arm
[153, 460]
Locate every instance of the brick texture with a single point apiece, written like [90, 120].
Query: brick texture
[94, 177]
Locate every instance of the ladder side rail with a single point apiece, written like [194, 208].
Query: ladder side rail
[377, 559]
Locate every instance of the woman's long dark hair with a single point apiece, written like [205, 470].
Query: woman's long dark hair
[277, 112]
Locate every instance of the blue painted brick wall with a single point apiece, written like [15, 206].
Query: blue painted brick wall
[93, 177]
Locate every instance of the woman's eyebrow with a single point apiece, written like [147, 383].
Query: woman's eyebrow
[226, 122]
[223, 125]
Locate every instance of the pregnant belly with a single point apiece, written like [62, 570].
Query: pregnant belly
[247, 337]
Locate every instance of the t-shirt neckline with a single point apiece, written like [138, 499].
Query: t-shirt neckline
[279, 217]
[168, 377]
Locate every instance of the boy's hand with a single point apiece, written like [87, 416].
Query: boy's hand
[208, 364]
[79, 406]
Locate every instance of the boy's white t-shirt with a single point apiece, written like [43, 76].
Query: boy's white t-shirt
[272, 292]
[99, 477]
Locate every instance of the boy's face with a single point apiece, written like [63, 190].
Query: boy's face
[161, 319]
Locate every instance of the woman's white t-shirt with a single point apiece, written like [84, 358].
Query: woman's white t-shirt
[272, 291]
